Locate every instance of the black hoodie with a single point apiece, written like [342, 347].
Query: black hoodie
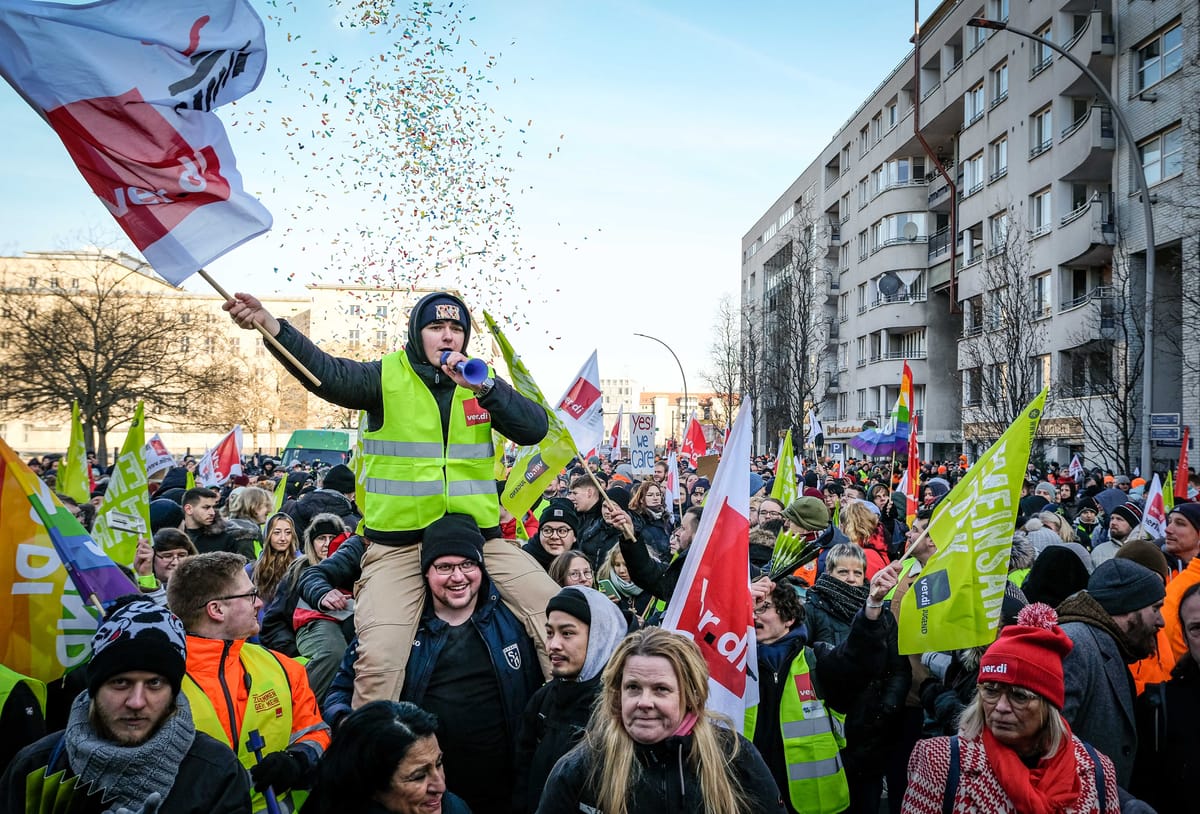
[358, 385]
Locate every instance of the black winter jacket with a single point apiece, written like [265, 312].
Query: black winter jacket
[666, 783]
[595, 537]
[340, 570]
[210, 780]
[318, 501]
[553, 722]
[359, 386]
[1168, 719]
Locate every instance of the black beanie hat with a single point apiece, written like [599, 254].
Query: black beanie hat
[324, 523]
[1190, 512]
[164, 514]
[1130, 512]
[1124, 586]
[443, 307]
[571, 602]
[339, 479]
[561, 510]
[138, 634]
[451, 535]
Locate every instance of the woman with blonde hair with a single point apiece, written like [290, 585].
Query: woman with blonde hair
[246, 510]
[652, 746]
[860, 522]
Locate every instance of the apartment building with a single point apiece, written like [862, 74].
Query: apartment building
[1004, 247]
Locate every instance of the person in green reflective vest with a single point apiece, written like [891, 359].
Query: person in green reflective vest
[22, 712]
[427, 452]
[803, 692]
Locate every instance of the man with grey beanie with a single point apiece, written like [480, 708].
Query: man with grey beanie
[1113, 624]
[130, 746]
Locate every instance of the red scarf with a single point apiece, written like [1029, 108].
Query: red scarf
[1048, 789]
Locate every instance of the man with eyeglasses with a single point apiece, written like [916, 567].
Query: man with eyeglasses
[236, 688]
[472, 665]
[555, 534]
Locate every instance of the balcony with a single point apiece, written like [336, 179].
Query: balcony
[939, 243]
[900, 252]
[1086, 149]
[1098, 310]
[1041, 147]
[1087, 234]
[1094, 48]
[939, 193]
[833, 287]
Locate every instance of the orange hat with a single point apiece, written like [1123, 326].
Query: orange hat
[1108, 480]
[1138, 482]
[941, 470]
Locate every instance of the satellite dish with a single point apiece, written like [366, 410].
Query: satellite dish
[911, 230]
[890, 284]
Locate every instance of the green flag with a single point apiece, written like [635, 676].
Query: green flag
[955, 602]
[784, 487]
[189, 482]
[1168, 492]
[124, 516]
[537, 465]
[72, 469]
[356, 466]
[280, 492]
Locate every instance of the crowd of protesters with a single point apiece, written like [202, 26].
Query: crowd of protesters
[430, 652]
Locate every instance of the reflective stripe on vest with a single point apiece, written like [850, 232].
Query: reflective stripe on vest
[812, 739]
[9, 679]
[268, 709]
[414, 480]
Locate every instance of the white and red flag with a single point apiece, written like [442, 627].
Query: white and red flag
[129, 87]
[1075, 470]
[614, 441]
[223, 461]
[712, 602]
[671, 492]
[695, 444]
[1154, 515]
[581, 408]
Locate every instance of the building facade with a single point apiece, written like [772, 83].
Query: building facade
[978, 216]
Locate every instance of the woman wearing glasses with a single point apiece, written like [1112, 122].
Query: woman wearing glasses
[1014, 751]
[572, 568]
[154, 564]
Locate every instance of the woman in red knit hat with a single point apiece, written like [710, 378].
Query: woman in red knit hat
[1014, 751]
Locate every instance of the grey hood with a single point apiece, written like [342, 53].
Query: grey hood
[607, 630]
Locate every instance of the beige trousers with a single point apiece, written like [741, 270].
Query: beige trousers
[391, 592]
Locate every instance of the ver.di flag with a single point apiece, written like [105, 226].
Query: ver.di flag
[614, 441]
[124, 516]
[72, 469]
[695, 445]
[955, 602]
[129, 87]
[223, 461]
[50, 570]
[537, 465]
[581, 407]
[1154, 515]
[784, 487]
[712, 603]
[671, 488]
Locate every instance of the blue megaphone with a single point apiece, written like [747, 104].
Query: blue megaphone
[473, 370]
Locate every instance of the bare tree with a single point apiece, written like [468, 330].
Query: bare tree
[107, 345]
[1003, 361]
[750, 364]
[725, 354]
[793, 324]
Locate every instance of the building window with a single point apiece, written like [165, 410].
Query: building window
[353, 338]
[973, 175]
[998, 232]
[864, 142]
[381, 311]
[973, 105]
[877, 128]
[999, 83]
[1041, 128]
[1040, 212]
[354, 310]
[1162, 156]
[1040, 295]
[1160, 57]
[998, 10]
[999, 161]
[972, 387]
[1042, 55]
[1041, 372]
[864, 193]
[891, 115]
[864, 245]
[975, 38]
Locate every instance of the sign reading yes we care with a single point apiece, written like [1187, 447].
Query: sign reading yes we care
[641, 444]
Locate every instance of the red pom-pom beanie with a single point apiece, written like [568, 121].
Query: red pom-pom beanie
[1029, 654]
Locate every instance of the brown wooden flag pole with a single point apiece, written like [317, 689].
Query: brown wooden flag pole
[284, 352]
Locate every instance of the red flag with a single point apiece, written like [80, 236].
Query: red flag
[1181, 472]
[614, 441]
[695, 444]
[712, 604]
[223, 461]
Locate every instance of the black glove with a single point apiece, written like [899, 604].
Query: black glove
[280, 770]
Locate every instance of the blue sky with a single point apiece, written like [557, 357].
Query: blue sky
[654, 135]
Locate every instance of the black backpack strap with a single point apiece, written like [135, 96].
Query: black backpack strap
[952, 777]
[1098, 768]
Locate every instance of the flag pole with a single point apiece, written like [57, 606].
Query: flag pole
[284, 352]
[627, 533]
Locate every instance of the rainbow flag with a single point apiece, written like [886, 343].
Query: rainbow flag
[54, 576]
[902, 410]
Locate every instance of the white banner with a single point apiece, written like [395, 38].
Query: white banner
[641, 443]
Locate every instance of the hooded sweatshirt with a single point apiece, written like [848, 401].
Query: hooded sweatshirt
[557, 714]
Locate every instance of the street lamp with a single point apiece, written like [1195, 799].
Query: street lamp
[681, 375]
[1147, 216]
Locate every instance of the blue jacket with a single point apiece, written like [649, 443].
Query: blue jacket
[506, 641]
